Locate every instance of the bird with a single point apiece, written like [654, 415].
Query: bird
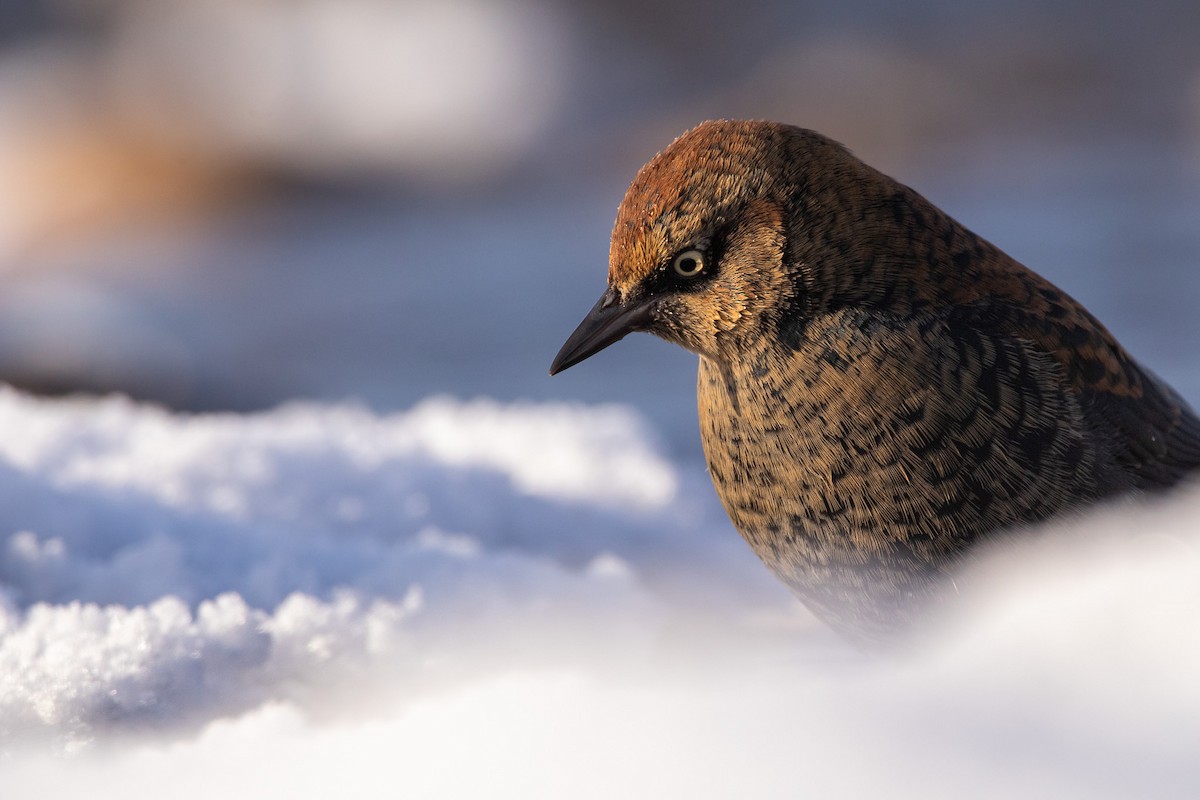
[881, 392]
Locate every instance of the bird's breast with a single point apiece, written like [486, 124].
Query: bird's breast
[808, 467]
[862, 463]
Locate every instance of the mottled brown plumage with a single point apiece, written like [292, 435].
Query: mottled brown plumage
[880, 389]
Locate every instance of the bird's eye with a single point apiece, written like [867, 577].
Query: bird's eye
[688, 264]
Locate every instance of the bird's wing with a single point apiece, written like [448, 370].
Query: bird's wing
[1154, 438]
[931, 428]
[1146, 436]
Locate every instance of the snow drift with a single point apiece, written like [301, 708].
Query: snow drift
[531, 600]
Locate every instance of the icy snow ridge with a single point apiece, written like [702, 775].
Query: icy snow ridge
[159, 570]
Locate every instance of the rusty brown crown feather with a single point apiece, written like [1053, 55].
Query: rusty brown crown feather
[852, 236]
[880, 390]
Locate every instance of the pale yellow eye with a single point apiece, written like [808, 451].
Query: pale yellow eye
[688, 264]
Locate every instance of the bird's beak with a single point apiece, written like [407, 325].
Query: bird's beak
[607, 323]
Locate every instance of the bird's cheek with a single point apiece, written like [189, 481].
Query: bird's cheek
[678, 322]
[729, 314]
[667, 322]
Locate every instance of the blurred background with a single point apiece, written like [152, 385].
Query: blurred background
[228, 204]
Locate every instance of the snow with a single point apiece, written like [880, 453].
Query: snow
[158, 566]
[471, 598]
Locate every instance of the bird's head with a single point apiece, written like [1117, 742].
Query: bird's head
[709, 248]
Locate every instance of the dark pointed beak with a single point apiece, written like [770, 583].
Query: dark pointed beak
[607, 323]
